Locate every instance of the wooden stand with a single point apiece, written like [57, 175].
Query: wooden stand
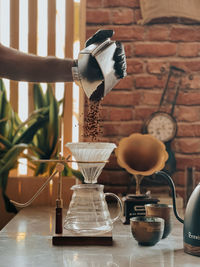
[192, 249]
[70, 239]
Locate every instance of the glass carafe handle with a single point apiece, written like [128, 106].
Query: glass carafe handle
[120, 205]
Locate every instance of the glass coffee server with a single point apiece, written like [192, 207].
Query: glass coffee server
[88, 213]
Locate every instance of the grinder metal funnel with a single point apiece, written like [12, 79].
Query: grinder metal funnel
[88, 77]
[141, 155]
[144, 155]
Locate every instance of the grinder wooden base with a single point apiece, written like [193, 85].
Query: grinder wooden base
[191, 249]
[70, 239]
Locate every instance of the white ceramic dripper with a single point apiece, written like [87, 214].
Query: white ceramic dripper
[91, 158]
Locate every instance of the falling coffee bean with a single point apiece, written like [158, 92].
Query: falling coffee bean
[92, 123]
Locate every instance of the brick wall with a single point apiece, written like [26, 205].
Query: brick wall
[148, 48]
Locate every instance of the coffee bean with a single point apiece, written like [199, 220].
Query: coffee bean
[92, 127]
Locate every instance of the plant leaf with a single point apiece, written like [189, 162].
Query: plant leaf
[10, 158]
[5, 142]
[38, 96]
[27, 135]
[53, 127]
[48, 94]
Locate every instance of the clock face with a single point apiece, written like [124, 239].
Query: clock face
[162, 126]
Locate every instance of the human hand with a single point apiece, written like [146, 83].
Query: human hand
[119, 55]
[120, 61]
[99, 36]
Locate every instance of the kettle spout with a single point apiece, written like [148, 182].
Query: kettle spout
[172, 186]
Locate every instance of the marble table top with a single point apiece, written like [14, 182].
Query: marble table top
[27, 241]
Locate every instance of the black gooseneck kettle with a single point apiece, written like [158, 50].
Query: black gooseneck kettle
[191, 229]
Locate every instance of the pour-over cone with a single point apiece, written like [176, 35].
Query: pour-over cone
[91, 158]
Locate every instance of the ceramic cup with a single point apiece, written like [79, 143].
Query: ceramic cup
[162, 211]
[147, 230]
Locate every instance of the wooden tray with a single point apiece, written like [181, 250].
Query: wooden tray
[70, 239]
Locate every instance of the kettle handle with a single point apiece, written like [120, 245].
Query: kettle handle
[172, 186]
[120, 205]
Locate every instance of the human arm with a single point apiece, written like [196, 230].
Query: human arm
[16, 65]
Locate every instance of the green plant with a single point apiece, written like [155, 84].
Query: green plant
[39, 134]
[15, 137]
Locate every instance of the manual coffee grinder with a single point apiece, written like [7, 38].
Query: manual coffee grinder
[88, 220]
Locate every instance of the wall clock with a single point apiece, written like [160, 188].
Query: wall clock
[161, 125]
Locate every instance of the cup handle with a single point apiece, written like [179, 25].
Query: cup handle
[120, 205]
